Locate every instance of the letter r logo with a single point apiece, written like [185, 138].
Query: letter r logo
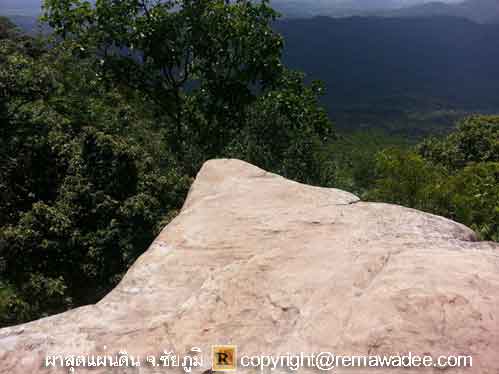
[224, 357]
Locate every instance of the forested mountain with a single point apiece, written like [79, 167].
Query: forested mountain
[379, 70]
[417, 64]
[426, 63]
[338, 8]
[482, 11]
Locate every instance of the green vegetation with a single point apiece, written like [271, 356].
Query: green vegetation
[413, 125]
[82, 189]
[457, 177]
[353, 155]
[104, 126]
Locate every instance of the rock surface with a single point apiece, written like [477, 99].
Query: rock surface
[275, 266]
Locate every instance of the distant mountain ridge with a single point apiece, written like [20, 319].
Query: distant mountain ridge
[20, 7]
[397, 63]
[481, 11]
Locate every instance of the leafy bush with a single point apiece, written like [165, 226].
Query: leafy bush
[457, 177]
[476, 140]
[82, 185]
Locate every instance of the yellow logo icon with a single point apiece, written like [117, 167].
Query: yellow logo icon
[224, 357]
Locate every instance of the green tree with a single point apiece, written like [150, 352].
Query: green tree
[224, 52]
[476, 139]
[208, 66]
[406, 178]
[474, 198]
[83, 190]
[457, 177]
[287, 132]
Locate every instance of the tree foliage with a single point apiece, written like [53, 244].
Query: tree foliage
[80, 198]
[221, 54]
[476, 140]
[457, 177]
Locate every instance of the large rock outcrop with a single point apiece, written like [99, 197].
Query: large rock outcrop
[275, 266]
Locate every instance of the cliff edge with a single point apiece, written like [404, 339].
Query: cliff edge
[275, 266]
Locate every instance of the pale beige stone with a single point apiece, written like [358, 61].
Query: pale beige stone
[275, 266]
